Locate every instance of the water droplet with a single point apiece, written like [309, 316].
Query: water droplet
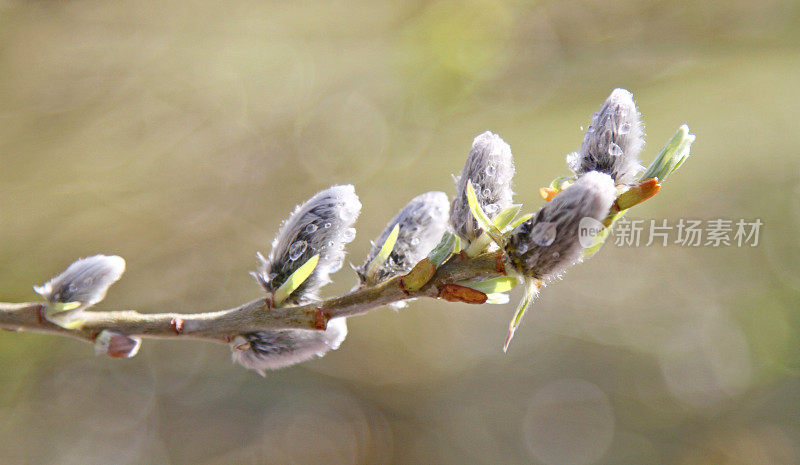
[491, 208]
[581, 127]
[88, 281]
[625, 128]
[415, 241]
[296, 250]
[326, 225]
[522, 248]
[491, 169]
[543, 233]
[487, 193]
[556, 254]
[330, 243]
[349, 234]
[311, 228]
[614, 150]
[73, 287]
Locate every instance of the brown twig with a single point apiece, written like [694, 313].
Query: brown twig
[220, 326]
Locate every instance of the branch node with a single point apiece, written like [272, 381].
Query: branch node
[177, 325]
[402, 286]
[499, 266]
[321, 319]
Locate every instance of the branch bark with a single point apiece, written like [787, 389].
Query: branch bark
[221, 326]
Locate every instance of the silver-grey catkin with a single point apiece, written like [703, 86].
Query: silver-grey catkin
[545, 245]
[86, 281]
[270, 350]
[322, 225]
[490, 167]
[422, 222]
[613, 141]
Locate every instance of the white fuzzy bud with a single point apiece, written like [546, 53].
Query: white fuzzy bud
[545, 245]
[421, 225]
[270, 350]
[85, 281]
[320, 226]
[613, 141]
[490, 168]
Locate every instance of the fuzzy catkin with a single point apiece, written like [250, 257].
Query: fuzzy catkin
[421, 224]
[86, 281]
[613, 141]
[545, 245]
[322, 225]
[271, 350]
[490, 168]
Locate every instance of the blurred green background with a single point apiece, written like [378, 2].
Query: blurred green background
[180, 134]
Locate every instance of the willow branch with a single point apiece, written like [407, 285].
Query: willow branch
[220, 326]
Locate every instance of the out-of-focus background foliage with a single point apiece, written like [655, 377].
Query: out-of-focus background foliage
[180, 134]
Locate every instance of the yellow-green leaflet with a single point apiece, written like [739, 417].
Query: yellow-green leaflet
[492, 286]
[65, 321]
[73, 324]
[295, 280]
[561, 183]
[506, 216]
[483, 220]
[383, 254]
[58, 307]
[479, 245]
[672, 156]
[497, 299]
[448, 244]
[531, 290]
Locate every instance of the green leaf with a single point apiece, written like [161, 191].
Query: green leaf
[506, 216]
[672, 156]
[70, 321]
[491, 286]
[479, 245]
[445, 249]
[59, 307]
[499, 298]
[383, 254]
[562, 182]
[72, 324]
[531, 291]
[295, 280]
[483, 220]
